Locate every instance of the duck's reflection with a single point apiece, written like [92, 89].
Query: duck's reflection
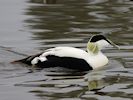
[101, 79]
[95, 81]
[45, 1]
[50, 1]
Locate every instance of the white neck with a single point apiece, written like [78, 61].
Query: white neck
[98, 59]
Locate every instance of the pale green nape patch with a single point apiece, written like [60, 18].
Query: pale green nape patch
[92, 47]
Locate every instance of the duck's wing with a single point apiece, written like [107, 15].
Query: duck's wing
[61, 52]
[28, 60]
[65, 52]
[57, 51]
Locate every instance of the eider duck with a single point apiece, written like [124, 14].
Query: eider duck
[73, 58]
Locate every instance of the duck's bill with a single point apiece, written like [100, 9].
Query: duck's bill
[113, 44]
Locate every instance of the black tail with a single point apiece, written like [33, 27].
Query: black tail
[26, 60]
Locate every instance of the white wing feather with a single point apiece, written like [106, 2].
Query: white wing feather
[66, 52]
[61, 52]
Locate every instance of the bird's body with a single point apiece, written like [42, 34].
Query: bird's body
[70, 57]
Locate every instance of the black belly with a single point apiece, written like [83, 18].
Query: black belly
[67, 62]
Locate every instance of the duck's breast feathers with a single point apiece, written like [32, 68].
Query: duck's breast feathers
[65, 52]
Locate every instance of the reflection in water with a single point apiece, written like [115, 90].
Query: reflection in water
[50, 1]
[71, 23]
[80, 19]
[58, 21]
[44, 1]
[72, 85]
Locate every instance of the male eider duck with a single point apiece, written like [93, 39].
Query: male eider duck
[73, 58]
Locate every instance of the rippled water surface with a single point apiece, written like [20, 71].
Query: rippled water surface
[30, 26]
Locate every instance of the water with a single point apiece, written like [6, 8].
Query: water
[30, 26]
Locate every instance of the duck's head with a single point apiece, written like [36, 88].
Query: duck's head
[98, 42]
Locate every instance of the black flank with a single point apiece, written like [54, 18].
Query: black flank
[67, 62]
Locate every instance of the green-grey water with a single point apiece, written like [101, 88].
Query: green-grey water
[30, 26]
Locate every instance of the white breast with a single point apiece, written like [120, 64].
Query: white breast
[98, 60]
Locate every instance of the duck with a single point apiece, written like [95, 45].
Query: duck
[73, 58]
